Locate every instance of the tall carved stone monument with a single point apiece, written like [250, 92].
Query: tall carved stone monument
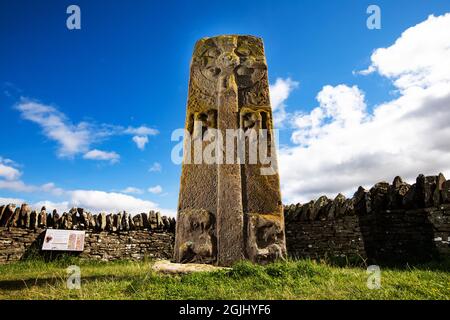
[230, 209]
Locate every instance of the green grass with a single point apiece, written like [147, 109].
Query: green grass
[301, 279]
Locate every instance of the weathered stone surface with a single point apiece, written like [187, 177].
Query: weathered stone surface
[336, 207]
[130, 245]
[55, 219]
[42, 218]
[8, 212]
[167, 267]
[125, 221]
[24, 216]
[92, 221]
[228, 89]
[33, 220]
[2, 208]
[131, 223]
[166, 223]
[445, 193]
[101, 221]
[266, 238]
[14, 220]
[397, 192]
[362, 201]
[379, 196]
[437, 193]
[109, 222]
[196, 240]
[320, 208]
[138, 223]
[152, 220]
[49, 220]
[145, 220]
[427, 192]
[159, 222]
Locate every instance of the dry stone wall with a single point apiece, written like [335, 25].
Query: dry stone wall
[108, 236]
[394, 222]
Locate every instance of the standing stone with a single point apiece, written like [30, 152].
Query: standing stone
[437, 194]
[131, 223]
[145, 221]
[92, 221]
[2, 208]
[229, 210]
[24, 216]
[119, 221]
[14, 221]
[55, 219]
[152, 220]
[137, 220]
[125, 221]
[445, 193]
[362, 201]
[33, 220]
[109, 222]
[49, 220]
[8, 212]
[102, 221]
[336, 207]
[159, 222]
[42, 218]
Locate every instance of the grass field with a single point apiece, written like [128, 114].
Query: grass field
[303, 279]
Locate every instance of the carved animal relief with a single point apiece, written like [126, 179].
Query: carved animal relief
[229, 211]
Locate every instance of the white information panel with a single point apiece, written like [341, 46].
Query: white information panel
[63, 240]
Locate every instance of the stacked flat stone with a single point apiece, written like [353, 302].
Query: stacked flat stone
[80, 219]
[426, 192]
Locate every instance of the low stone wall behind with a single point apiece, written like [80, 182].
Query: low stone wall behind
[396, 222]
[401, 236]
[19, 243]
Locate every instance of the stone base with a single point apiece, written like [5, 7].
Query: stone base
[167, 267]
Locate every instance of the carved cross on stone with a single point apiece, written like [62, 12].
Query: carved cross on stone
[228, 211]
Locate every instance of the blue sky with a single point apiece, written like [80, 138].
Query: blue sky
[128, 68]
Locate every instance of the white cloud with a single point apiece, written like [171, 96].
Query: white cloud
[132, 190]
[279, 92]
[95, 154]
[156, 189]
[17, 186]
[7, 171]
[61, 207]
[51, 188]
[341, 144]
[141, 131]
[74, 139]
[16, 201]
[109, 201]
[140, 141]
[420, 57]
[156, 167]
[92, 200]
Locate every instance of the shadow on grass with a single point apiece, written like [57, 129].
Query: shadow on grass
[54, 281]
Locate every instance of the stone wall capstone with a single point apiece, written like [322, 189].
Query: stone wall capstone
[398, 223]
[108, 236]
